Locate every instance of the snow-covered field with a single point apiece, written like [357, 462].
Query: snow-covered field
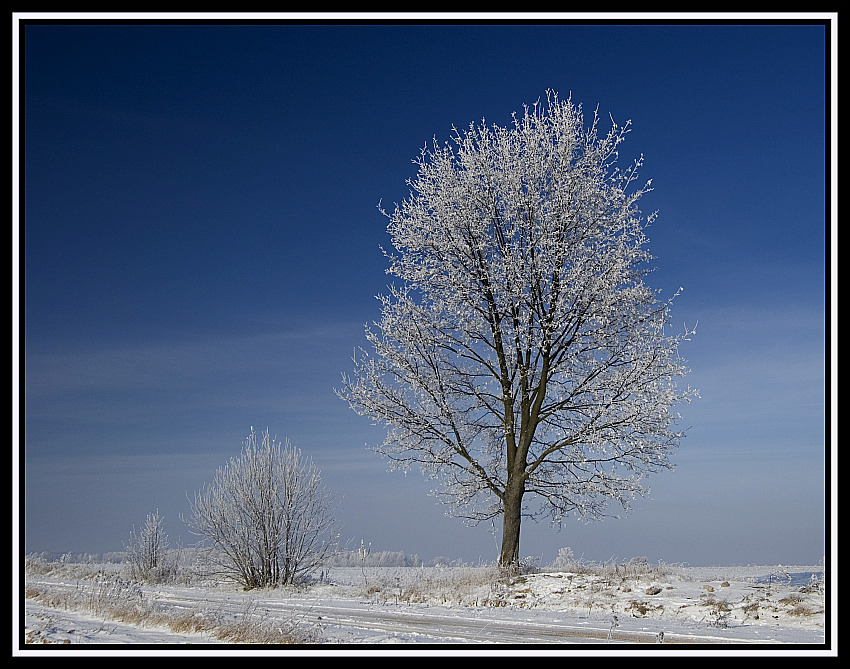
[399, 609]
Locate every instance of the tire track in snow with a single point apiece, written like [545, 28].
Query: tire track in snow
[425, 623]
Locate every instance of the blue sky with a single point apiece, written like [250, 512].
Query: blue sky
[199, 250]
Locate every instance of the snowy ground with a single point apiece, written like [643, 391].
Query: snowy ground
[445, 609]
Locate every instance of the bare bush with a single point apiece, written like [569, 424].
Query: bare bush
[266, 517]
[148, 553]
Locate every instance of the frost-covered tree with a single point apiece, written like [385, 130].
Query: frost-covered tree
[523, 361]
[147, 549]
[266, 515]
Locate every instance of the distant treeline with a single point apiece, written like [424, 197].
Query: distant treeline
[354, 558]
[341, 559]
[115, 557]
[358, 558]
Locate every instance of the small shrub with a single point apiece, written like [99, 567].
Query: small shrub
[721, 621]
[147, 550]
[751, 609]
[37, 565]
[640, 609]
[800, 610]
[717, 606]
[816, 585]
[565, 560]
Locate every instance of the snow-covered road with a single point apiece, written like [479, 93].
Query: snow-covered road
[693, 608]
[344, 623]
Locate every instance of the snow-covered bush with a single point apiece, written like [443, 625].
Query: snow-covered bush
[565, 560]
[266, 517]
[148, 553]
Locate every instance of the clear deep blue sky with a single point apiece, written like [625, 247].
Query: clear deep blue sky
[200, 250]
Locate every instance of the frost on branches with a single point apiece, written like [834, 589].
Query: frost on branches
[522, 361]
[266, 517]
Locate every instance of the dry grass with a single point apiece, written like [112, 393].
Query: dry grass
[615, 571]
[121, 602]
[482, 586]
[641, 608]
[104, 594]
[801, 610]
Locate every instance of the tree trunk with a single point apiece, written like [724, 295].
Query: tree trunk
[509, 557]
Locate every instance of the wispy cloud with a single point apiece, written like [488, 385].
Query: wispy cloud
[159, 389]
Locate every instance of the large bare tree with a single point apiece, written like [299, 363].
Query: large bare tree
[523, 361]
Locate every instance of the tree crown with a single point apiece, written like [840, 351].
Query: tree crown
[523, 349]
